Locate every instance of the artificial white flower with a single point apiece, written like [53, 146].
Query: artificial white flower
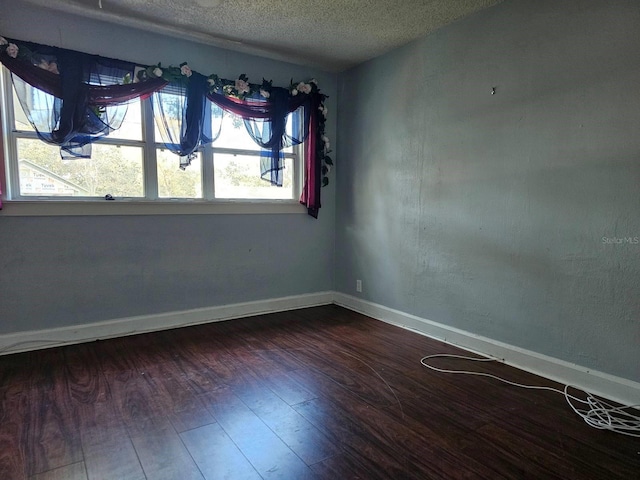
[264, 93]
[12, 50]
[186, 70]
[3, 41]
[294, 92]
[304, 87]
[157, 72]
[324, 110]
[49, 66]
[242, 86]
[211, 81]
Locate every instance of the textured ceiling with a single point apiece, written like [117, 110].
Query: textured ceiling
[333, 35]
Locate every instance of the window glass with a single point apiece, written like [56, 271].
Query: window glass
[38, 102]
[21, 121]
[238, 176]
[173, 105]
[233, 133]
[115, 170]
[131, 128]
[176, 183]
[41, 104]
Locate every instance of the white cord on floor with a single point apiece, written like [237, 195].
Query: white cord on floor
[596, 412]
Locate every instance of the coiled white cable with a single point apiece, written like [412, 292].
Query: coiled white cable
[596, 413]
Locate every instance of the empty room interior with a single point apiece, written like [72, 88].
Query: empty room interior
[343, 240]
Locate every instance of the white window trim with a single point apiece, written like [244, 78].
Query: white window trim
[31, 208]
[150, 205]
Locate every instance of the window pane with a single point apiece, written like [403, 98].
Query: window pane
[131, 128]
[20, 118]
[176, 183]
[111, 170]
[238, 176]
[233, 133]
[41, 104]
[171, 105]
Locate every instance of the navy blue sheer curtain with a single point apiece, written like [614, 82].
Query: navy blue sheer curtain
[273, 134]
[72, 98]
[183, 116]
[266, 122]
[186, 123]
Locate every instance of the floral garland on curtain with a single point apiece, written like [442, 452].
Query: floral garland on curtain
[241, 89]
[21, 60]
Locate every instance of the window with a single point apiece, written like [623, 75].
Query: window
[131, 164]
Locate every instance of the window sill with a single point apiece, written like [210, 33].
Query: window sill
[29, 208]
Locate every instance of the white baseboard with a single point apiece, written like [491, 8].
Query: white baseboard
[54, 337]
[614, 388]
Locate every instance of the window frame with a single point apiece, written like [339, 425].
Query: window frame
[151, 203]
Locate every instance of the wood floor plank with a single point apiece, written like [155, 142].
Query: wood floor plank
[85, 382]
[162, 454]
[50, 425]
[191, 368]
[106, 447]
[217, 457]
[13, 406]
[283, 385]
[298, 434]
[143, 411]
[75, 471]
[292, 428]
[533, 444]
[179, 401]
[427, 449]
[108, 451]
[346, 432]
[273, 375]
[341, 466]
[269, 455]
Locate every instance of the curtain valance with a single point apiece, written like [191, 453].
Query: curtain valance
[86, 97]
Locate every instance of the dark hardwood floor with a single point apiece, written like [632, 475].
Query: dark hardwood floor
[319, 393]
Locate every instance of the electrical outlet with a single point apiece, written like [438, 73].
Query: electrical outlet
[359, 286]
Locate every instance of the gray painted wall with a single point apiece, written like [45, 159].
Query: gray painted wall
[487, 212]
[59, 271]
